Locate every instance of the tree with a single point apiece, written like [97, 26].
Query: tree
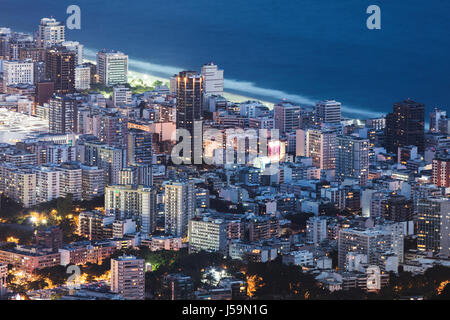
[58, 274]
[37, 285]
[64, 205]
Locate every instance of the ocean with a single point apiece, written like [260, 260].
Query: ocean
[299, 50]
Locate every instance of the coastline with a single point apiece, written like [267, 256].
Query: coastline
[149, 79]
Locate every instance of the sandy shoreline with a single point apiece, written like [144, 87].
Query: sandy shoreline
[149, 79]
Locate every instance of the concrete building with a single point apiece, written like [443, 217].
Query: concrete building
[139, 147]
[135, 202]
[70, 181]
[82, 77]
[316, 230]
[352, 158]
[18, 184]
[128, 277]
[213, 79]
[367, 242]
[286, 117]
[121, 96]
[433, 226]
[112, 67]
[50, 33]
[441, 170]
[92, 182]
[179, 200]
[320, 145]
[63, 114]
[29, 258]
[60, 69]
[18, 72]
[92, 225]
[299, 258]
[328, 111]
[207, 234]
[105, 157]
[3, 276]
[75, 47]
[47, 183]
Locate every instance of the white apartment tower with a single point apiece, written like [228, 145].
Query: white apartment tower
[371, 243]
[121, 96]
[319, 145]
[207, 234]
[179, 203]
[82, 77]
[112, 67]
[352, 158]
[50, 33]
[47, 184]
[18, 72]
[213, 80]
[70, 181]
[316, 230]
[137, 202]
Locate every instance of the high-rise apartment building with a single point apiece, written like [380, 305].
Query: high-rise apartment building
[47, 183]
[112, 67]
[18, 184]
[18, 72]
[82, 77]
[91, 225]
[60, 69]
[128, 277]
[75, 47]
[189, 105]
[139, 147]
[398, 208]
[121, 96]
[441, 170]
[92, 182]
[113, 130]
[213, 79]
[136, 202]
[328, 111]
[435, 116]
[70, 181]
[63, 114]
[179, 200]
[319, 145]
[352, 158]
[110, 159]
[433, 226]
[316, 230]
[286, 117]
[405, 126]
[371, 243]
[50, 33]
[207, 234]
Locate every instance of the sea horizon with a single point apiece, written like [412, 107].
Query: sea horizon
[320, 52]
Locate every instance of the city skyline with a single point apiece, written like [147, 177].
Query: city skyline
[113, 187]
